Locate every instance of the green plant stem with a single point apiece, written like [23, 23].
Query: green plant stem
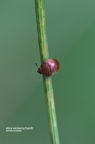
[44, 54]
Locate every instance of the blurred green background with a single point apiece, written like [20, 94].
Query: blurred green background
[71, 39]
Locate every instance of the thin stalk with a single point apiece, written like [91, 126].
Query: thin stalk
[44, 54]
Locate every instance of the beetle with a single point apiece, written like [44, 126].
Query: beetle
[48, 67]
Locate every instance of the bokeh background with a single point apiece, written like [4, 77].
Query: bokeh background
[71, 39]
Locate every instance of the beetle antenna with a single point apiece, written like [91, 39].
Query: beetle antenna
[37, 65]
[39, 78]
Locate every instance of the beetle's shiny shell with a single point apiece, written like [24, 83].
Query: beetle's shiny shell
[49, 67]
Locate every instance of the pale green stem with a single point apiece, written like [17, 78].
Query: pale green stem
[44, 54]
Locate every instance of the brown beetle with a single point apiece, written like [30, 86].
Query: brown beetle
[48, 67]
